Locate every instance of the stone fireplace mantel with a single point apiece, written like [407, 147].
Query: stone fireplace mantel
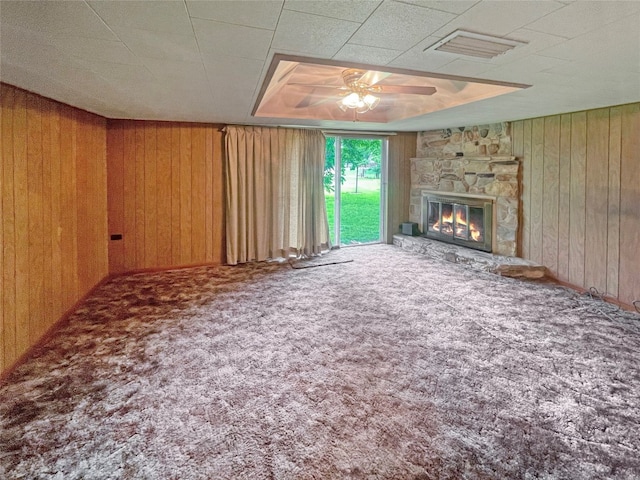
[494, 177]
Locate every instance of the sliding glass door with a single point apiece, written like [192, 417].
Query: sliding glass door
[354, 171]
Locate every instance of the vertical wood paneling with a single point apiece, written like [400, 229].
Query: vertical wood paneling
[150, 195]
[43, 145]
[629, 286]
[185, 194]
[517, 136]
[35, 205]
[82, 191]
[8, 271]
[177, 169]
[175, 195]
[4, 104]
[115, 195]
[129, 202]
[163, 199]
[208, 151]
[21, 212]
[198, 195]
[219, 227]
[613, 207]
[401, 148]
[551, 173]
[57, 183]
[526, 188]
[68, 232]
[564, 196]
[597, 225]
[537, 189]
[46, 211]
[140, 186]
[597, 184]
[577, 199]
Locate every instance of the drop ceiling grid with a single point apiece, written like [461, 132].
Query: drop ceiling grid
[102, 50]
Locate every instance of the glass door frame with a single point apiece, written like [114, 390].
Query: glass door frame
[337, 187]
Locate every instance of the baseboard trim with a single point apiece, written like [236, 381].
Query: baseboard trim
[36, 347]
[582, 290]
[164, 269]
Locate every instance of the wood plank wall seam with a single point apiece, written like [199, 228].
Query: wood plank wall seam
[43, 271]
[598, 185]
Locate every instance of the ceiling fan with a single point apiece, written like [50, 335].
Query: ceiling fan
[360, 91]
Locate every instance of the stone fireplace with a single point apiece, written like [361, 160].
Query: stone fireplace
[462, 176]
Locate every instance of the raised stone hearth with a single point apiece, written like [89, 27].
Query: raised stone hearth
[507, 266]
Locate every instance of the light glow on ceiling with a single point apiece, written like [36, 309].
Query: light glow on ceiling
[315, 89]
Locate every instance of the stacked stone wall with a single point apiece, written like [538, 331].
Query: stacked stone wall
[451, 163]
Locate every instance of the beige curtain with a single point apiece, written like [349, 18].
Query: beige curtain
[275, 194]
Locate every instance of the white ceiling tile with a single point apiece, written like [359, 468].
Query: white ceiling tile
[619, 40]
[399, 26]
[499, 17]
[416, 58]
[60, 47]
[354, 10]
[163, 16]
[464, 68]
[252, 13]
[177, 71]
[582, 17]
[171, 46]
[232, 73]
[235, 105]
[457, 6]
[365, 54]
[69, 18]
[102, 50]
[228, 39]
[132, 75]
[312, 34]
[524, 69]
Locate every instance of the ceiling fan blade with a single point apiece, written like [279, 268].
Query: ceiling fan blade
[372, 77]
[311, 85]
[308, 102]
[408, 89]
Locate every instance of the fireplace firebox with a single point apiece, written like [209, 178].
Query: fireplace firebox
[465, 221]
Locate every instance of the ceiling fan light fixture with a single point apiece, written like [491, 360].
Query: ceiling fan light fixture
[361, 103]
[372, 101]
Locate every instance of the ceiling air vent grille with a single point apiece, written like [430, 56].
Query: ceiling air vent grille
[472, 44]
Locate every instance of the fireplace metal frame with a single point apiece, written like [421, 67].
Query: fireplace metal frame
[485, 203]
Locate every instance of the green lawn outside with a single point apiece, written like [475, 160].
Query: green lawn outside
[360, 217]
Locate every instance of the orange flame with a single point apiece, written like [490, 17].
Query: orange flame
[461, 224]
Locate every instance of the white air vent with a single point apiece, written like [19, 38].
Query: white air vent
[472, 44]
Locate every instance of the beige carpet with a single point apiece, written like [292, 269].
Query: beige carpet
[391, 366]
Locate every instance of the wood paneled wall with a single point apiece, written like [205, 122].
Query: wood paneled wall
[581, 197]
[402, 147]
[166, 195]
[53, 227]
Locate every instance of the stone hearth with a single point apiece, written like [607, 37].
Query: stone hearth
[507, 266]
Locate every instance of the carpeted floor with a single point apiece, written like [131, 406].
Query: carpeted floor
[392, 366]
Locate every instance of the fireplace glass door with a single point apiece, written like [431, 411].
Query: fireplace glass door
[465, 221]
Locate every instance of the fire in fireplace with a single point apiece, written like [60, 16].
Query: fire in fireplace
[460, 220]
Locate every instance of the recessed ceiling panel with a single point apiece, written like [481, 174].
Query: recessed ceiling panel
[314, 89]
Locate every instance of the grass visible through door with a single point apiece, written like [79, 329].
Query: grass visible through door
[360, 211]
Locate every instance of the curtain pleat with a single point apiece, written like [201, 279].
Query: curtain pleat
[275, 193]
